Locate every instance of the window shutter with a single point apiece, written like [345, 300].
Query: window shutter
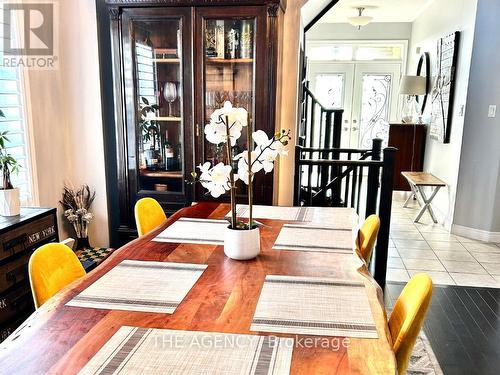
[12, 106]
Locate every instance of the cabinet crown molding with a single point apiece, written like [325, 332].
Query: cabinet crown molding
[114, 13]
[276, 3]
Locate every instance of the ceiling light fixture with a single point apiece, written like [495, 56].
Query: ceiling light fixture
[360, 20]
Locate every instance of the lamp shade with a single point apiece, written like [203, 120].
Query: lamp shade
[413, 85]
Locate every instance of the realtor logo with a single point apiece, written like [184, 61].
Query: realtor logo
[29, 35]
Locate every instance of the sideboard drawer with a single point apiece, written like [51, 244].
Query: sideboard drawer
[14, 272]
[15, 302]
[27, 236]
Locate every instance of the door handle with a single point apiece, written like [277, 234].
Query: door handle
[345, 129]
[354, 128]
[346, 121]
[354, 121]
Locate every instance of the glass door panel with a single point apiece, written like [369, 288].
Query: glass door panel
[158, 73]
[376, 94]
[332, 83]
[228, 73]
[329, 89]
[375, 103]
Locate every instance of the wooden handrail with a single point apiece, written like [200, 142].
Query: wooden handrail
[344, 163]
[340, 150]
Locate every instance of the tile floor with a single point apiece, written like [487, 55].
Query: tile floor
[447, 258]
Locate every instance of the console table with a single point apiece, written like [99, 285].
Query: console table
[418, 181]
[19, 236]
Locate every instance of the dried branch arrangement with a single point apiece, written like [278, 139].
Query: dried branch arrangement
[77, 203]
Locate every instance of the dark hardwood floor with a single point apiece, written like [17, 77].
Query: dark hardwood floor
[463, 327]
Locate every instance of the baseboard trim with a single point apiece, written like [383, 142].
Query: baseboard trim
[476, 234]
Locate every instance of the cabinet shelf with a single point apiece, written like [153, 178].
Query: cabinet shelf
[216, 60]
[167, 61]
[167, 118]
[164, 174]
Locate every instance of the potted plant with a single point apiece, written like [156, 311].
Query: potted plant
[242, 239]
[150, 131]
[76, 203]
[9, 196]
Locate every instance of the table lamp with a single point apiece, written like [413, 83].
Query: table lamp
[411, 86]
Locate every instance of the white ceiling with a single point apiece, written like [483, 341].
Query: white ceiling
[385, 11]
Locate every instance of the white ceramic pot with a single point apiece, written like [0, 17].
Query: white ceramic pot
[9, 202]
[242, 244]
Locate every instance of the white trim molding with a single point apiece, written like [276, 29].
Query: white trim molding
[476, 234]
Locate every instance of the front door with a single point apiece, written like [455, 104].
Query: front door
[366, 91]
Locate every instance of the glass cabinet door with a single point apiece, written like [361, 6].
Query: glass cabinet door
[158, 58]
[229, 67]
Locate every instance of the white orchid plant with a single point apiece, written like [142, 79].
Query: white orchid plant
[224, 130]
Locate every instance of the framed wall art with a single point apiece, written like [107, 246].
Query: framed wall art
[444, 87]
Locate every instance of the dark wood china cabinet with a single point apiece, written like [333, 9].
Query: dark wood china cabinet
[174, 63]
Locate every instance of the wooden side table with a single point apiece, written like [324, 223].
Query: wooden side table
[417, 181]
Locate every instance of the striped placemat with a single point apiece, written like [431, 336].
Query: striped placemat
[141, 286]
[314, 306]
[335, 217]
[276, 212]
[316, 238]
[152, 351]
[187, 230]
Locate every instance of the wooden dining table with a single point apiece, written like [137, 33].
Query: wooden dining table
[60, 339]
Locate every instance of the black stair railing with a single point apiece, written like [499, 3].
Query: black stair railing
[357, 178]
[319, 126]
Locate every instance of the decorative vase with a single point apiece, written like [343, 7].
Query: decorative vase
[241, 244]
[409, 113]
[82, 243]
[246, 42]
[9, 202]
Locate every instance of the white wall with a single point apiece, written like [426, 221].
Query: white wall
[477, 209]
[372, 31]
[67, 124]
[439, 19]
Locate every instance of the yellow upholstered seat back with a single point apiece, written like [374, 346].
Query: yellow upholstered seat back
[367, 236]
[51, 268]
[408, 316]
[148, 215]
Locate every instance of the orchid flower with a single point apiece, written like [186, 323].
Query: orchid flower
[263, 157]
[228, 122]
[215, 179]
[216, 131]
[243, 165]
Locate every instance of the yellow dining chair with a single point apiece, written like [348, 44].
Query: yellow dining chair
[366, 237]
[148, 215]
[51, 268]
[408, 316]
